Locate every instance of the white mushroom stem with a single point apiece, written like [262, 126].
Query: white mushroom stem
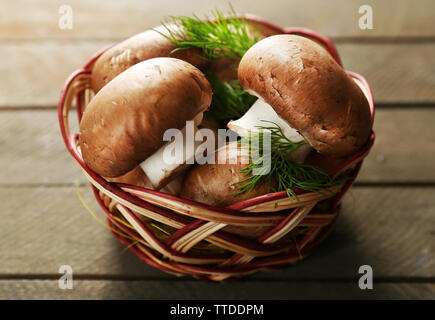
[172, 187]
[256, 116]
[174, 156]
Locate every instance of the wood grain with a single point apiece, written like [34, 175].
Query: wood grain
[27, 19]
[405, 141]
[193, 290]
[33, 73]
[402, 73]
[390, 229]
[49, 227]
[33, 152]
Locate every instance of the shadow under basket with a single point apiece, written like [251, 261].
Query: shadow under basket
[183, 237]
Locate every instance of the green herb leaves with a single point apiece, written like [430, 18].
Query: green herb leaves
[218, 36]
[230, 101]
[284, 174]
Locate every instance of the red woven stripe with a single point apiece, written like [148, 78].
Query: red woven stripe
[279, 226]
[185, 230]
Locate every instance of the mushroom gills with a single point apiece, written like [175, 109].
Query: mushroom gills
[160, 169]
[262, 114]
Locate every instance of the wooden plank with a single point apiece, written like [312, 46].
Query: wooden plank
[193, 290]
[390, 229]
[405, 139]
[48, 227]
[32, 149]
[34, 153]
[402, 73]
[29, 19]
[34, 72]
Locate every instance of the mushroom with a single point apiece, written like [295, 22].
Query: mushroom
[213, 184]
[138, 178]
[143, 46]
[302, 89]
[124, 124]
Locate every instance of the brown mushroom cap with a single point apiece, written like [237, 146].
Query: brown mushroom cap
[124, 123]
[212, 184]
[143, 46]
[308, 89]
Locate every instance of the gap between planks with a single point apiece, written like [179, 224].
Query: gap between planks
[357, 184]
[379, 106]
[99, 277]
[336, 40]
[188, 290]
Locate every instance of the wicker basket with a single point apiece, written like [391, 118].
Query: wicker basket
[184, 237]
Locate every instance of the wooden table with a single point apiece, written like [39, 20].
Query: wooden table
[387, 220]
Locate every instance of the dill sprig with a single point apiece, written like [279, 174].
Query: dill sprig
[284, 175]
[229, 100]
[218, 36]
